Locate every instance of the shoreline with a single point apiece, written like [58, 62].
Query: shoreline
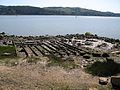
[67, 15]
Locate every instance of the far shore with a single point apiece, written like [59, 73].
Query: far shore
[67, 15]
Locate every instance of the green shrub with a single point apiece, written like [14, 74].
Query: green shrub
[109, 59]
[82, 53]
[104, 68]
[105, 55]
[87, 56]
[88, 33]
[7, 52]
[96, 54]
[7, 49]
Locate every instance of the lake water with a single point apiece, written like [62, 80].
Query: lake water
[55, 25]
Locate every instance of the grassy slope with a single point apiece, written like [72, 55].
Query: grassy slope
[6, 49]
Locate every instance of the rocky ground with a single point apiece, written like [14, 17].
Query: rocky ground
[57, 63]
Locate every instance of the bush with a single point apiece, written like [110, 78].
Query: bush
[104, 69]
[109, 59]
[82, 53]
[87, 56]
[88, 33]
[96, 54]
[105, 55]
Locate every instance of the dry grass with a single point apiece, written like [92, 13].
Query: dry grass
[38, 76]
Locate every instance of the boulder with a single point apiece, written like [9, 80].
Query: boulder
[103, 80]
[92, 89]
[115, 81]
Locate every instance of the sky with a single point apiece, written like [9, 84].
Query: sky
[100, 5]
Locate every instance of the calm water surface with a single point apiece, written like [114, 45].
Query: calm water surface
[54, 25]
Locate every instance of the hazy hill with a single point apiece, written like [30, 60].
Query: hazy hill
[29, 10]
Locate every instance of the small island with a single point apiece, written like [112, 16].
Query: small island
[65, 62]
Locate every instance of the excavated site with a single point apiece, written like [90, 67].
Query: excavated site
[59, 63]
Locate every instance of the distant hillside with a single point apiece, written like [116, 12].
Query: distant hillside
[29, 10]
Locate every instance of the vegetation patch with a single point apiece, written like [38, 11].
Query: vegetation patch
[57, 61]
[11, 61]
[104, 69]
[7, 51]
[96, 54]
[8, 55]
[82, 53]
[33, 60]
[105, 55]
[87, 56]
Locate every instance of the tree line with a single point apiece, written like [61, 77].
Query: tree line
[29, 10]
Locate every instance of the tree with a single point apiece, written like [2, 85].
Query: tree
[3, 33]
